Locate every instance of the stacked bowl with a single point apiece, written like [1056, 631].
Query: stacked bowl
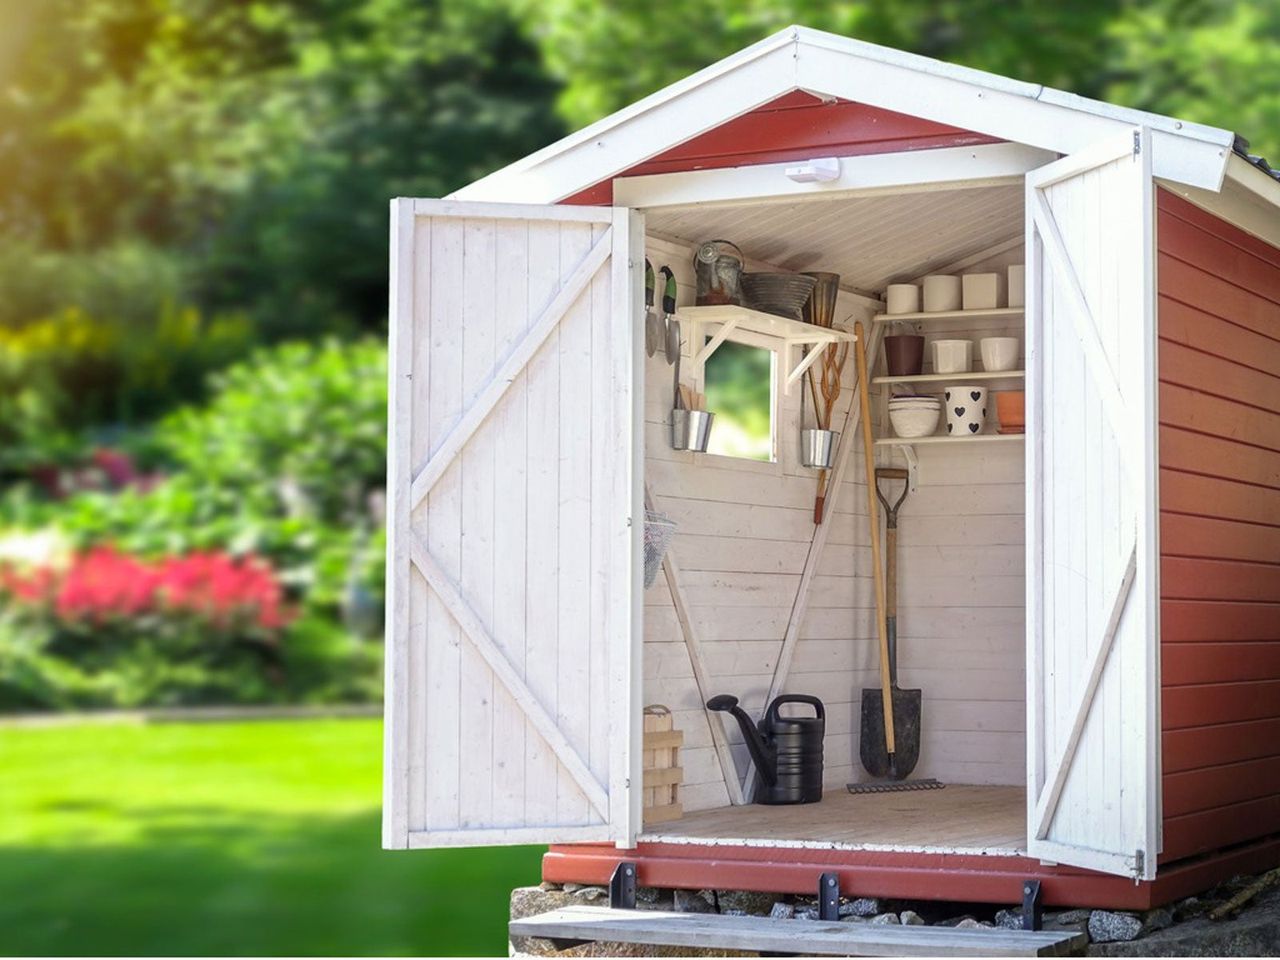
[914, 417]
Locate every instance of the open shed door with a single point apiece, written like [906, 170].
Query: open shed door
[1092, 617]
[513, 565]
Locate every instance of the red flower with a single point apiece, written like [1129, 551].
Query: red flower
[106, 585]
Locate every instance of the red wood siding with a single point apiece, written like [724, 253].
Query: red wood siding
[1219, 318]
[795, 127]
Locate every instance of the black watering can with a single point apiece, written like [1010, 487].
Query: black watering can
[787, 750]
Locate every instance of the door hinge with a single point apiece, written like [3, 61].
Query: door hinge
[1137, 142]
[1139, 863]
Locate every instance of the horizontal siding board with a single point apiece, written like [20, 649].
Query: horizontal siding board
[1225, 377]
[1208, 704]
[1217, 497]
[1222, 826]
[1192, 621]
[1196, 790]
[1212, 456]
[1186, 579]
[1196, 747]
[1223, 661]
[1205, 413]
[1172, 204]
[1242, 268]
[1203, 316]
[1209, 537]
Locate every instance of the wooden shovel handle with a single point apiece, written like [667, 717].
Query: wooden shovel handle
[873, 515]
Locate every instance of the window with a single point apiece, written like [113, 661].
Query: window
[739, 383]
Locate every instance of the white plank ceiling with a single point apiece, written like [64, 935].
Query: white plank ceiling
[870, 241]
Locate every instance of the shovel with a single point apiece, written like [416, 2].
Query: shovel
[906, 703]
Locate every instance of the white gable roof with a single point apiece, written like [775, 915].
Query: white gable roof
[830, 66]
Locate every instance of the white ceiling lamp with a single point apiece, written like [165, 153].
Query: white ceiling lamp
[823, 170]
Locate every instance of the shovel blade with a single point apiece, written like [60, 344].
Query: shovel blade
[906, 733]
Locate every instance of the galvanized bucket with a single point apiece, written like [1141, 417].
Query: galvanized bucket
[691, 429]
[818, 448]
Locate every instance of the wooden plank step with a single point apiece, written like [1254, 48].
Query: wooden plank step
[804, 937]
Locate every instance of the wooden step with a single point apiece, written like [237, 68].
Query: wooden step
[804, 937]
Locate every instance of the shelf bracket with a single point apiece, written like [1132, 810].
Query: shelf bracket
[913, 466]
[714, 343]
[815, 351]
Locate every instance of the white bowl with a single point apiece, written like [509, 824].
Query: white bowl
[999, 353]
[952, 356]
[912, 422]
[941, 292]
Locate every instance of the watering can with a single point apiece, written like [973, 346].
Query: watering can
[787, 751]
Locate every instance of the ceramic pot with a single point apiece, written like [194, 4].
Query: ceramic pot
[952, 356]
[966, 409]
[998, 353]
[902, 298]
[914, 419]
[904, 355]
[941, 292]
[1011, 409]
[1018, 285]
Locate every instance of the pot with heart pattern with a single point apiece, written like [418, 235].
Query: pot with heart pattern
[966, 409]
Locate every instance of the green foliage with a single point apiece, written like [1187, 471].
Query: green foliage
[261, 141]
[299, 430]
[69, 372]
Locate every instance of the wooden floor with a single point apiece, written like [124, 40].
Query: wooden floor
[991, 820]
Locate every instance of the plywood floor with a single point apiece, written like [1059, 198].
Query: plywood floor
[957, 818]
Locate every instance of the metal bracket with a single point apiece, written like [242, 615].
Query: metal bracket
[829, 896]
[913, 466]
[622, 886]
[1032, 905]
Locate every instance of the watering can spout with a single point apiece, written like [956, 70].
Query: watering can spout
[761, 753]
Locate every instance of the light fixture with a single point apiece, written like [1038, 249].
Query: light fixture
[823, 170]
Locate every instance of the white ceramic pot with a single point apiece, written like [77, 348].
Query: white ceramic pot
[998, 353]
[902, 298]
[982, 291]
[952, 356]
[941, 292]
[915, 420]
[1018, 285]
[966, 409]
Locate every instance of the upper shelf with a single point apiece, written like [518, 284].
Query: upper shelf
[765, 324]
[957, 377]
[953, 316]
[792, 333]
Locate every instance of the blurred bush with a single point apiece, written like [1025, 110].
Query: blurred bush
[69, 373]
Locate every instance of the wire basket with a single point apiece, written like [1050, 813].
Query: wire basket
[658, 531]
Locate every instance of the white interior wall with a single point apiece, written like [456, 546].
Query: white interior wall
[744, 533]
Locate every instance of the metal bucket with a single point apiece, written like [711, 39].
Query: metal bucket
[818, 448]
[691, 429]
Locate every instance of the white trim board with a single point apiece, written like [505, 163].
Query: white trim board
[828, 65]
[910, 171]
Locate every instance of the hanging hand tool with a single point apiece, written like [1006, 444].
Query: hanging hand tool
[652, 325]
[669, 314]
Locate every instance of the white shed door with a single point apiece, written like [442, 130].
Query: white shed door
[1093, 743]
[513, 562]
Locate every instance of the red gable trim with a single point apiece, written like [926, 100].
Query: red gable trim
[797, 126]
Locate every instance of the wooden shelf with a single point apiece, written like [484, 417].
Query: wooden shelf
[935, 438]
[953, 316]
[792, 334]
[954, 377]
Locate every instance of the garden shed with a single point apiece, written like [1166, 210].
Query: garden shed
[1091, 607]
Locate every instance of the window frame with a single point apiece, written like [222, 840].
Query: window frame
[774, 347]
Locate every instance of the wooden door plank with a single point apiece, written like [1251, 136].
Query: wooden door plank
[488, 398]
[474, 629]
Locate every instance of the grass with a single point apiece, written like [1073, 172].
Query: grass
[227, 838]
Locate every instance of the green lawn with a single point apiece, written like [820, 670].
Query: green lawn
[227, 838]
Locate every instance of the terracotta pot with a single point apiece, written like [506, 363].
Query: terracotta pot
[904, 355]
[1011, 409]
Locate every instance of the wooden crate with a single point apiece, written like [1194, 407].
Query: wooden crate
[662, 771]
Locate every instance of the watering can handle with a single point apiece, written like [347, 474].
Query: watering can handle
[771, 715]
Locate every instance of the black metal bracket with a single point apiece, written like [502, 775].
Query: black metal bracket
[829, 896]
[1032, 905]
[622, 886]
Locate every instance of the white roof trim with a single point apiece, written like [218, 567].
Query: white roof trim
[828, 65]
